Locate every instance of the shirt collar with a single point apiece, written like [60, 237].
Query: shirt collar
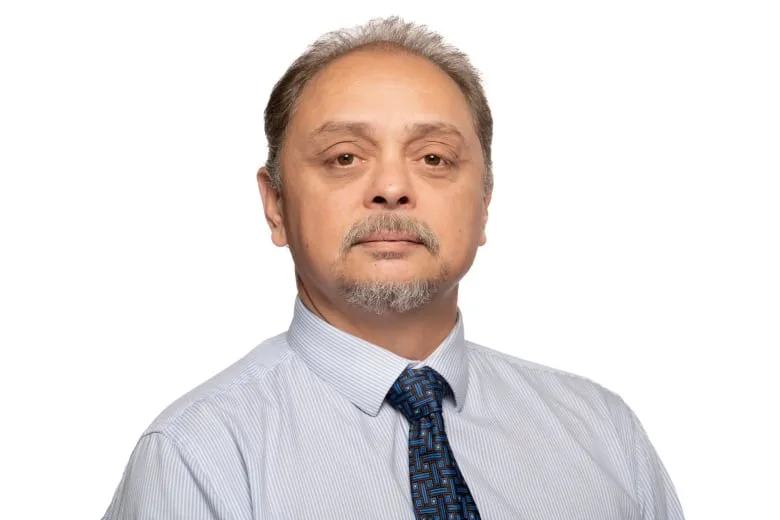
[363, 372]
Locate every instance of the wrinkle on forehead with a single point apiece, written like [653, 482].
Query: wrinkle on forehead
[412, 131]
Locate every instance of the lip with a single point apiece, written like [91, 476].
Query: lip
[394, 245]
[389, 244]
[390, 237]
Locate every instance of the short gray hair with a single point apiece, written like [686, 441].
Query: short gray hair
[388, 33]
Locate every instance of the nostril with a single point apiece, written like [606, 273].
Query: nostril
[378, 199]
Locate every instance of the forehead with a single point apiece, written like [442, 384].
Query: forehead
[388, 90]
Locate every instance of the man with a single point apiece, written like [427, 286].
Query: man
[373, 405]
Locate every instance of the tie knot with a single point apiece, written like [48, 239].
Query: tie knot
[418, 392]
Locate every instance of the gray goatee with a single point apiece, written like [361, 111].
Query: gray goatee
[378, 296]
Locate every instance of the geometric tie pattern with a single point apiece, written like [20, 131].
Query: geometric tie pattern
[439, 491]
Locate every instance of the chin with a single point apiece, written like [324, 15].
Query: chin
[383, 296]
[391, 276]
[391, 272]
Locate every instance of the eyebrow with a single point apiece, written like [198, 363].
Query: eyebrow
[366, 131]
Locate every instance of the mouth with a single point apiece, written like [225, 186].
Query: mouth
[392, 243]
[390, 238]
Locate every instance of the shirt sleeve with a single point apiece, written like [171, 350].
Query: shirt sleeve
[655, 490]
[160, 481]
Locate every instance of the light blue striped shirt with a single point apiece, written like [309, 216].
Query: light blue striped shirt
[299, 429]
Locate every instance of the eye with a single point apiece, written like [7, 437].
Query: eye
[433, 160]
[345, 159]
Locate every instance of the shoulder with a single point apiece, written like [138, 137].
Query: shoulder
[576, 409]
[550, 385]
[201, 435]
[228, 396]
[578, 412]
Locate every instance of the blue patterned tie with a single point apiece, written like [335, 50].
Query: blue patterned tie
[439, 491]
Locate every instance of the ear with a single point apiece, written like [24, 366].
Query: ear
[485, 205]
[272, 206]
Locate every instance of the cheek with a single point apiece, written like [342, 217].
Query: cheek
[459, 219]
[322, 222]
[459, 236]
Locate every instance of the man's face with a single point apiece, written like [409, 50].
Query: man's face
[382, 200]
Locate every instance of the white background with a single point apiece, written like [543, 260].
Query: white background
[633, 235]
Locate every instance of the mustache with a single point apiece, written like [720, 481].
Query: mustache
[392, 223]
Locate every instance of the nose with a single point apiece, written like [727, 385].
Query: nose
[391, 188]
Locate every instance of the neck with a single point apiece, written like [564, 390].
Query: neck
[412, 335]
